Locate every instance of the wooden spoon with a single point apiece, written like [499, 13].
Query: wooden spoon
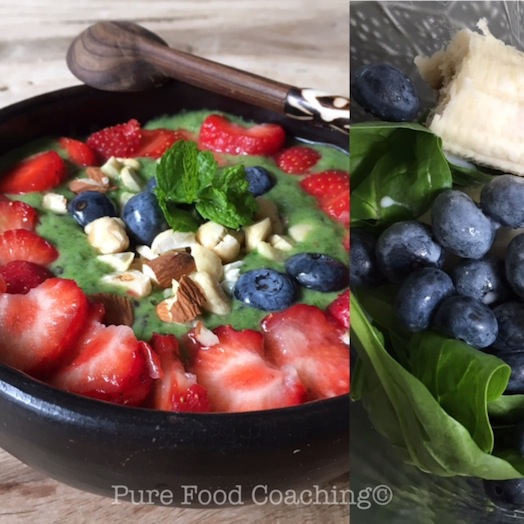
[122, 56]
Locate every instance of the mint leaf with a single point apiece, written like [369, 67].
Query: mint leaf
[178, 172]
[186, 175]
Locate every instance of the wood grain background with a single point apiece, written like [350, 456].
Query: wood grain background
[300, 42]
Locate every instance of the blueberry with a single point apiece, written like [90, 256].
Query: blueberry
[460, 226]
[385, 92]
[515, 264]
[466, 319]
[508, 494]
[510, 318]
[419, 296]
[406, 246]
[266, 289]
[90, 205]
[151, 184]
[483, 279]
[260, 180]
[143, 217]
[364, 270]
[502, 199]
[318, 271]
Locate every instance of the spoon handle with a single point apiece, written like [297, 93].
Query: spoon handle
[299, 103]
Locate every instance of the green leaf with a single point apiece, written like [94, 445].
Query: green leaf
[403, 409]
[186, 175]
[396, 172]
[507, 408]
[462, 379]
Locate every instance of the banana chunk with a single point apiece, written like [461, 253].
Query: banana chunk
[480, 83]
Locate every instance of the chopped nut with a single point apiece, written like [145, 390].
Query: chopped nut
[268, 208]
[207, 260]
[220, 240]
[79, 185]
[216, 299]
[118, 261]
[55, 203]
[171, 266]
[130, 179]
[118, 309]
[185, 306]
[270, 252]
[112, 167]
[299, 232]
[281, 242]
[170, 240]
[135, 282]
[97, 175]
[204, 336]
[256, 233]
[107, 235]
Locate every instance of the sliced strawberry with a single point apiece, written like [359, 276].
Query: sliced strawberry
[155, 142]
[108, 363]
[40, 172]
[236, 375]
[331, 190]
[120, 140]
[21, 276]
[305, 338]
[79, 152]
[297, 160]
[20, 244]
[176, 390]
[3, 284]
[339, 309]
[37, 329]
[17, 215]
[222, 136]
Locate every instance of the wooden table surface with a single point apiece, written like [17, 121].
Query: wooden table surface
[300, 42]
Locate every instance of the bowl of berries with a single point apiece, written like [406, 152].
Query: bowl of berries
[174, 294]
[436, 235]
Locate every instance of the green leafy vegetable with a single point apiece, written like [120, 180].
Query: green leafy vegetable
[404, 409]
[186, 176]
[396, 171]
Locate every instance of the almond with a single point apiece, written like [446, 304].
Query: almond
[79, 185]
[96, 174]
[171, 266]
[118, 309]
[185, 306]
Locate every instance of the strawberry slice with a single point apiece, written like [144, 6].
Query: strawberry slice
[223, 136]
[121, 140]
[17, 215]
[20, 244]
[108, 363]
[339, 309]
[3, 284]
[37, 329]
[297, 160]
[78, 152]
[175, 390]
[236, 375]
[21, 276]
[155, 142]
[304, 337]
[40, 172]
[331, 190]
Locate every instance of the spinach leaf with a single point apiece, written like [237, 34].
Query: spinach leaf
[396, 171]
[507, 408]
[462, 379]
[404, 410]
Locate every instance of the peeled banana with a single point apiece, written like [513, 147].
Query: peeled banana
[480, 110]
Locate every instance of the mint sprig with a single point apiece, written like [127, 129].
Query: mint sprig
[186, 176]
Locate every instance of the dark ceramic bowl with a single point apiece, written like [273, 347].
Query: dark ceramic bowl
[152, 456]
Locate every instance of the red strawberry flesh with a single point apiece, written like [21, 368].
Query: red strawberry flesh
[305, 338]
[222, 136]
[17, 215]
[21, 276]
[237, 376]
[297, 160]
[40, 172]
[37, 329]
[20, 244]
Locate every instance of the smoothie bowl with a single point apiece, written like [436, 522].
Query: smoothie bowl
[150, 370]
